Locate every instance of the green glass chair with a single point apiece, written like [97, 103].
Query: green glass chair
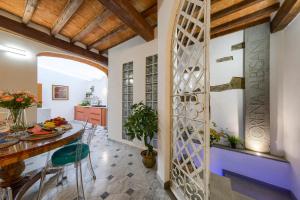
[71, 154]
[59, 157]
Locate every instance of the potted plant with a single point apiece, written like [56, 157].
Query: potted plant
[233, 141]
[142, 124]
[215, 136]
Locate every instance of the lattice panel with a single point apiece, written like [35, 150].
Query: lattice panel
[190, 100]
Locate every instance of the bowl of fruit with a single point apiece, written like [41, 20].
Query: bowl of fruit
[54, 123]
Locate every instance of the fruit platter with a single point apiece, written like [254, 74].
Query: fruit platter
[59, 123]
[48, 129]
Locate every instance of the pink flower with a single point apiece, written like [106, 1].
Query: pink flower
[20, 99]
[7, 98]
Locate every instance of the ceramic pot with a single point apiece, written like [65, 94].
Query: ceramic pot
[149, 160]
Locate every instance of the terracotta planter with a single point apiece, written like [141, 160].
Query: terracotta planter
[149, 160]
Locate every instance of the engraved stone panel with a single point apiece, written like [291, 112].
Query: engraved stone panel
[257, 119]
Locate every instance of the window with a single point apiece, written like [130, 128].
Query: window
[151, 81]
[127, 94]
[151, 86]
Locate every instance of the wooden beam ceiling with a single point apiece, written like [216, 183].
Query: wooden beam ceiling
[22, 29]
[71, 7]
[87, 29]
[234, 8]
[29, 10]
[246, 19]
[115, 33]
[130, 16]
[121, 28]
[287, 12]
[241, 27]
[214, 1]
[116, 21]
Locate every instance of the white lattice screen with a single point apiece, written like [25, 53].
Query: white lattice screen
[190, 100]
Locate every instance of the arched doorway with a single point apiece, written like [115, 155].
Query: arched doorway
[80, 82]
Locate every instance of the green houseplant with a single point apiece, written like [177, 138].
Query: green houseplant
[233, 141]
[142, 124]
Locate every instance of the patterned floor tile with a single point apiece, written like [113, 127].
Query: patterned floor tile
[120, 176]
[104, 195]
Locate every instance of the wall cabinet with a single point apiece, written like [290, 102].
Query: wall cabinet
[95, 115]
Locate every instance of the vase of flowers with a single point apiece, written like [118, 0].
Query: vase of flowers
[16, 103]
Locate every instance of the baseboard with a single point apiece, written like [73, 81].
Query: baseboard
[260, 182]
[127, 142]
[167, 186]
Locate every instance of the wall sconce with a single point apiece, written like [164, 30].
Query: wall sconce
[13, 50]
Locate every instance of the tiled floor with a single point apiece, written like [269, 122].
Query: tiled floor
[119, 170]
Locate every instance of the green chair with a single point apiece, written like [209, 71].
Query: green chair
[72, 144]
[70, 154]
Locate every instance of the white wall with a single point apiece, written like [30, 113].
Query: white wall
[19, 72]
[62, 108]
[285, 98]
[227, 107]
[77, 89]
[135, 50]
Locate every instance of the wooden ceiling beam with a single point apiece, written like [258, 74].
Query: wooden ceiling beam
[241, 27]
[29, 10]
[245, 19]
[69, 10]
[214, 1]
[87, 29]
[287, 12]
[22, 29]
[234, 8]
[130, 16]
[150, 11]
[114, 33]
[146, 13]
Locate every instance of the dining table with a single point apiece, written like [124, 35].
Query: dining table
[12, 158]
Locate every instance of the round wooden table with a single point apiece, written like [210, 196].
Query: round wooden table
[12, 158]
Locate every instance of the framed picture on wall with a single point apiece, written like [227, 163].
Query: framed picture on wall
[60, 92]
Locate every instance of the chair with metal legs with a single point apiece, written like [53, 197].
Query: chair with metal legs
[90, 165]
[68, 155]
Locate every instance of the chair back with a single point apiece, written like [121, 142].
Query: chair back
[80, 142]
[90, 134]
[86, 136]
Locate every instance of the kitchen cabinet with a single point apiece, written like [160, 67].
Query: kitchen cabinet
[94, 115]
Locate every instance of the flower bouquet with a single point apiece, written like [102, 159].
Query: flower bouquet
[16, 103]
